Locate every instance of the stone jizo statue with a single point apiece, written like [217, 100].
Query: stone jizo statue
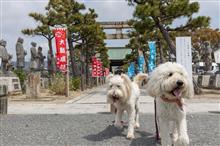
[50, 62]
[21, 53]
[41, 58]
[4, 56]
[34, 57]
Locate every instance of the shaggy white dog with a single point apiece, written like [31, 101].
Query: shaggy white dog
[124, 94]
[169, 83]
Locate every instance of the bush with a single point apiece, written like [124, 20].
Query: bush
[58, 84]
[74, 83]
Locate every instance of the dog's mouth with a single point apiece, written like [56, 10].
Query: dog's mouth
[115, 98]
[177, 92]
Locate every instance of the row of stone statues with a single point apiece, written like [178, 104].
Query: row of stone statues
[37, 57]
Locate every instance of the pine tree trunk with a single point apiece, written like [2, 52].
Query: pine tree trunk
[161, 51]
[72, 57]
[87, 69]
[165, 36]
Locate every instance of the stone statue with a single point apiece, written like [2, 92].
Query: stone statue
[5, 57]
[50, 62]
[41, 58]
[20, 52]
[34, 57]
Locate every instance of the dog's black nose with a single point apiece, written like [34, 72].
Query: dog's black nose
[179, 83]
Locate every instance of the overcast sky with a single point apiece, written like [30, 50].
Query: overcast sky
[14, 17]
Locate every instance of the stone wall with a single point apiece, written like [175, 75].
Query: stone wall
[208, 81]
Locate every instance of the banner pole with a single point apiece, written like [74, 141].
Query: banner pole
[67, 68]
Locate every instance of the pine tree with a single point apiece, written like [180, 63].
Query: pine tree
[160, 14]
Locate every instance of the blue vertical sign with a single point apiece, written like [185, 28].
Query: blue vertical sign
[141, 64]
[131, 70]
[152, 56]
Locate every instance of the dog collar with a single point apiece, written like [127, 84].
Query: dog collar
[178, 101]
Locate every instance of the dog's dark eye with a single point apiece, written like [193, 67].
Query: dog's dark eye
[118, 86]
[170, 74]
[110, 86]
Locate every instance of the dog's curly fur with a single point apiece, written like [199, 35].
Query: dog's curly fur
[170, 81]
[124, 94]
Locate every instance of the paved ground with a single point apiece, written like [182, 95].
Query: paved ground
[95, 101]
[86, 120]
[97, 129]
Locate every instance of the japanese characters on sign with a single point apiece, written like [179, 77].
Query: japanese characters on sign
[184, 53]
[61, 51]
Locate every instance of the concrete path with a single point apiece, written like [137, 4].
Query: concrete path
[95, 102]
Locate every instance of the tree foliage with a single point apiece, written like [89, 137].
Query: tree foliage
[151, 16]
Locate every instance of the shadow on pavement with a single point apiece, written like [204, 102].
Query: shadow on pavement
[107, 133]
[142, 137]
[145, 139]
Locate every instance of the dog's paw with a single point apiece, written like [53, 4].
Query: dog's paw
[136, 125]
[182, 141]
[118, 125]
[130, 136]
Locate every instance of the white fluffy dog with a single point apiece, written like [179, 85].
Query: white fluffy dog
[170, 84]
[124, 94]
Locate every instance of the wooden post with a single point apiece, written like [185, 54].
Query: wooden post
[97, 81]
[3, 100]
[67, 82]
[67, 70]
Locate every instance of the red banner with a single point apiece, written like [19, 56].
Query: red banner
[106, 72]
[94, 66]
[97, 70]
[61, 55]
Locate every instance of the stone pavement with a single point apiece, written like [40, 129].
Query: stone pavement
[95, 102]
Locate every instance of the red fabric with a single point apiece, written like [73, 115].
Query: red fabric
[61, 55]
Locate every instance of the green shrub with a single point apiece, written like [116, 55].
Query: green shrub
[74, 83]
[58, 84]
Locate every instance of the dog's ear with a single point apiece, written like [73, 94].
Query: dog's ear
[128, 83]
[140, 79]
[153, 86]
[109, 77]
[189, 89]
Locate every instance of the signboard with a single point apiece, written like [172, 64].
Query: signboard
[61, 51]
[217, 56]
[184, 53]
[152, 57]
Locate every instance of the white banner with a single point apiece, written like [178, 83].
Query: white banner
[184, 53]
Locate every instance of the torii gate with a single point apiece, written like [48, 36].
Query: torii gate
[116, 54]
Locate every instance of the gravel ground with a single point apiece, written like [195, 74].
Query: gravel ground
[97, 129]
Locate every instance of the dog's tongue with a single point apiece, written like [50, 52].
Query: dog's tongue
[177, 92]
